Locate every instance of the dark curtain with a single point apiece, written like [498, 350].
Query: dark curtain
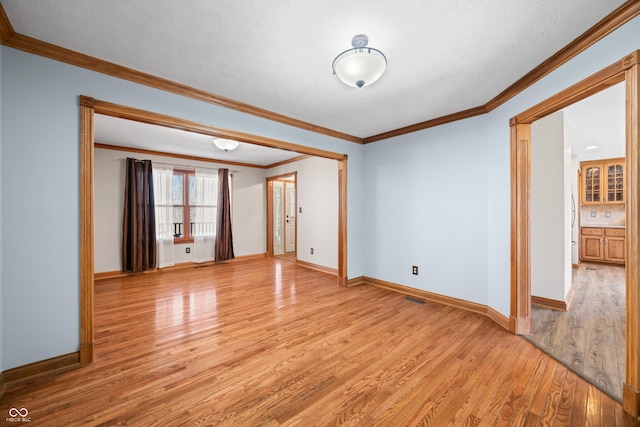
[224, 239]
[139, 224]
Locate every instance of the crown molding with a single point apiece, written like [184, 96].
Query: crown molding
[174, 155]
[284, 162]
[200, 159]
[606, 26]
[8, 37]
[427, 124]
[135, 114]
[6, 29]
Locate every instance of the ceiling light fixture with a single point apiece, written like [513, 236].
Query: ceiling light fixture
[360, 66]
[591, 147]
[226, 144]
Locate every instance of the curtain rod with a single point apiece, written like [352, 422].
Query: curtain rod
[185, 166]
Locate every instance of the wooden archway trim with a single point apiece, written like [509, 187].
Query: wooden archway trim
[627, 70]
[89, 107]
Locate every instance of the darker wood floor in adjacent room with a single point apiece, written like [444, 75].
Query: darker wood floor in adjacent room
[266, 343]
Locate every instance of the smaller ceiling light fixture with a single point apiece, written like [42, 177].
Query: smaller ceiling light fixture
[226, 144]
[360, 66]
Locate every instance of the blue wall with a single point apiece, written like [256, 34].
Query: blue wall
[40, 191]
[438, 198]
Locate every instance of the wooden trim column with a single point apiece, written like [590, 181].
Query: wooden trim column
[627, 70]
[631, 387]
[520, 319]
[270, 217]
[342, 223]
[86, 230]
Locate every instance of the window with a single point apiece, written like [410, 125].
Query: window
[194, 206]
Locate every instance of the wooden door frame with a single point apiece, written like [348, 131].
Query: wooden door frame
[270, 180]
[88, 108]
[627, 70]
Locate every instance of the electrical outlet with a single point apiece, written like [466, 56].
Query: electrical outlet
[414, 270]
[188, 250]
[300, 209]
[311, 251]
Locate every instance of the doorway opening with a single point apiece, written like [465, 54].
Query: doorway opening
[88, 108]
[628, 71]
[577, 238]
[282, 209]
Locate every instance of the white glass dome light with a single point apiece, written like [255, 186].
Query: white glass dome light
[226, 144]
[360, 66]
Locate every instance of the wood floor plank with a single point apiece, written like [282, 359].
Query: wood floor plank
[497, 406]
[593, 415]
[524, 392]
[579, 410]
[268, 343]
[552, 401]
[565, 406]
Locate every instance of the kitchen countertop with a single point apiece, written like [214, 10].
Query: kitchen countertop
[601, 226]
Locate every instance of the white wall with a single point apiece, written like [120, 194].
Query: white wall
[317, 194]
[567, 188]
[109, 175]
[550, 208]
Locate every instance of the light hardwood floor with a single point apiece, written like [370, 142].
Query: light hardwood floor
[267, 343]
[590, 337]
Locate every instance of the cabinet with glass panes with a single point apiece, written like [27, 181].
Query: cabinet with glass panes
[602, 181]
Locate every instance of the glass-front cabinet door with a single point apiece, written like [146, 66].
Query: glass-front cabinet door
[614, 182]
[592, 193]
[602, 181]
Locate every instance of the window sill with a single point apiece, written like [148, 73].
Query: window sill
[179, 241]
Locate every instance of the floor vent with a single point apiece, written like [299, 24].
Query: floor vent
[416, 300]
[592, 268]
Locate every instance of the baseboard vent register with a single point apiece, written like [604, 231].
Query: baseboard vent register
[416, 300]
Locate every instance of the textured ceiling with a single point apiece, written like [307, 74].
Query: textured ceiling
[127, 133]
[444, 56]
[599, 120]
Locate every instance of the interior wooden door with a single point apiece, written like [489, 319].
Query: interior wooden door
[290, 216]
[278, 217]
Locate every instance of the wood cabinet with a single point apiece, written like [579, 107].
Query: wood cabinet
[614, 245]
[602, 244]
[591, 244]
[602, 181]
